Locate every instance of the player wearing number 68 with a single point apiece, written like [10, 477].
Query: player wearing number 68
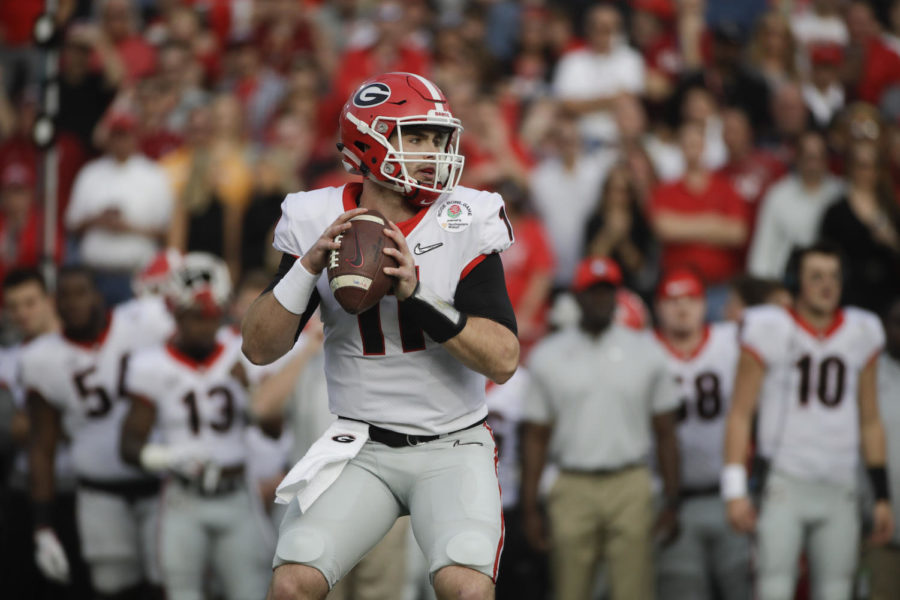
[708, 555]
[811, 370]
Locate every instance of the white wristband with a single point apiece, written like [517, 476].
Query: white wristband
[295, 288]
[155, 457]
[733, 483]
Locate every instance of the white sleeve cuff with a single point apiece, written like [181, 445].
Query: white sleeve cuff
[295, 288]
[733, 483]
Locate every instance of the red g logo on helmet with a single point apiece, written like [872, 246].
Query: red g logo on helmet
[371, 95]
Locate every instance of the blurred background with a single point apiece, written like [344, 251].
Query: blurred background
[659, 133]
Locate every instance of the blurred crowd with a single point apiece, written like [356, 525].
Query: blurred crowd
[657, 133]
[654, 132]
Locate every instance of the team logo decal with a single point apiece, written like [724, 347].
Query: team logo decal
[372, 95]
[454, 216]
[344, 438]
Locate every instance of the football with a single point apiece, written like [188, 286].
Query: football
[356, 270]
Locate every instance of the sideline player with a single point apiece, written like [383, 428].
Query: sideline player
[708, 559]
[29, 305]
[813, 370]
[74, 387]
[407, 376]
[193, 388]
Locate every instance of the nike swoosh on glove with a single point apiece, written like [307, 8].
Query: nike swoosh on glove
[50, 555]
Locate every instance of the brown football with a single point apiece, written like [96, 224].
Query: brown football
[356, 270]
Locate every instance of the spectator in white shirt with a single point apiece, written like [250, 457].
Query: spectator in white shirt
[119, 211]
[565, 188]
[792, 209]
[589, 80]
[823, 93]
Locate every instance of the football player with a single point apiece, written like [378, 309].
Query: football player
[29, 306]
[194, 389]
[812, 371]
[407, 377]
[74, 382]
[708, 555]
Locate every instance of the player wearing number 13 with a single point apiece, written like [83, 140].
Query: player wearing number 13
[813, 371]
[193, 389]
[406, 376]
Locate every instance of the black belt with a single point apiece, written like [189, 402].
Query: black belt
[230, 480]
[602, 470]
[130, 490]
[700, 492]
[395, 439]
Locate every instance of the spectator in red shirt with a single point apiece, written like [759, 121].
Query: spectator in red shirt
[119, 25]
[701, 221]
[257, 87]
[751, 170]
[870, 66]
[390, 51]
[528, 265]
[19, 147]
[492, 147]
[21, 223]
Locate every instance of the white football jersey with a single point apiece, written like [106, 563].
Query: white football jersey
[9, 373]
[705, 379]
[380, 367]
[85, 383]
[197, 403]
[11, 379]
[808, 412]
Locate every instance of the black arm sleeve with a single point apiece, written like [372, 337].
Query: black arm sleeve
[287, 261]
[482, 293]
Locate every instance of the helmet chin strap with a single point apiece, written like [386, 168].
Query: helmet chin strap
[405, 190]
[442, 172]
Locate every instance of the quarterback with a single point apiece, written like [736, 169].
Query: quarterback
[406, 377]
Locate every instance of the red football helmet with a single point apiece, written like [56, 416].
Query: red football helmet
[381, 107]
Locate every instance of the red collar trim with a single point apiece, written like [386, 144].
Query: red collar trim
[350, 198]
[685, 356]
[97, 341]
[408, 225]
[190, 362]
[351, 194]
[830, 329]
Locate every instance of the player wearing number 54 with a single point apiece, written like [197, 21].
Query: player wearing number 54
[406, 375]
[74, 382]
[812, 370]
[598, 394]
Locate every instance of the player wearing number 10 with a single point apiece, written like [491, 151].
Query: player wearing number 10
[407, 377]
[813, 371]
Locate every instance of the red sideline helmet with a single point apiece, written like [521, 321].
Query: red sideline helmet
[381, 107]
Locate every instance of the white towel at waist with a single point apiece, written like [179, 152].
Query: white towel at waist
[322, 463]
